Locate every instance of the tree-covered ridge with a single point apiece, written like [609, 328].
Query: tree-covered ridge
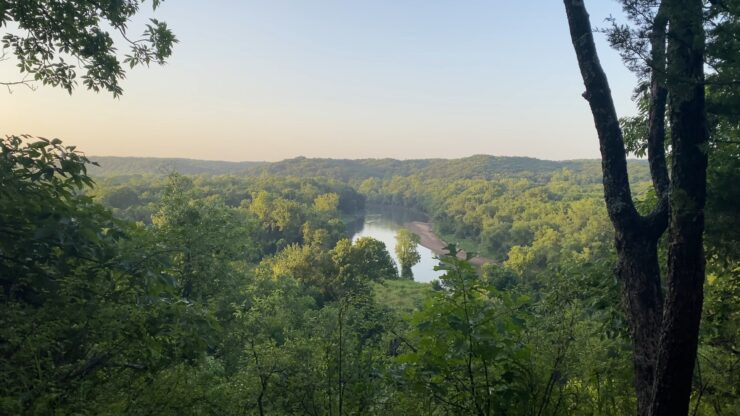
[133, 166]
[473, 167]
[350, 170]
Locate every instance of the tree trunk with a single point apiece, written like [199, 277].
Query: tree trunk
[638, 272]
[680, 335]
[664, 345]
[636, 236]
[340, 380]
[260, 398]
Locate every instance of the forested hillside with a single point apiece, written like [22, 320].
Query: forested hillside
[129, 166]
[474, 167]
[488, 204]
[233, 294]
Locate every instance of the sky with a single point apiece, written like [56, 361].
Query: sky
[275, 79]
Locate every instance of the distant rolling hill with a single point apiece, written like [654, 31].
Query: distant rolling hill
[478, 166]
[127, 166]
[473, 167]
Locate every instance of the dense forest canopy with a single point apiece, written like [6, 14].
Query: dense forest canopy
[150, 286]
[233, 293]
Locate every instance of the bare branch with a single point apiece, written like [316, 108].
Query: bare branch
[24, 82]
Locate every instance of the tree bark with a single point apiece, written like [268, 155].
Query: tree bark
[638, 272]
[656, 113]
[689, 134]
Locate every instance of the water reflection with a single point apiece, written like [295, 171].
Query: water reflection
[382, 223]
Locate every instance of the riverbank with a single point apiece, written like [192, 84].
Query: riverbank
[431, 241]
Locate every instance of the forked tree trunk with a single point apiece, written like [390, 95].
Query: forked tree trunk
[664, 347]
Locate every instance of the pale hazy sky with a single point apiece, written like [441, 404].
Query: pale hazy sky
[273, 79]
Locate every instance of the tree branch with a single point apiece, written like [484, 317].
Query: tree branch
[617, 192]
[25, 82]
[658, 219]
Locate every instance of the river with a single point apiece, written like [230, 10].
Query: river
[382, 223]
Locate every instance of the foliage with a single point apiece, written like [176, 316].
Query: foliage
[366, 258]
[51, 31]
[407, 252]
[239, 294]
[78, 307]
[469, 353]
